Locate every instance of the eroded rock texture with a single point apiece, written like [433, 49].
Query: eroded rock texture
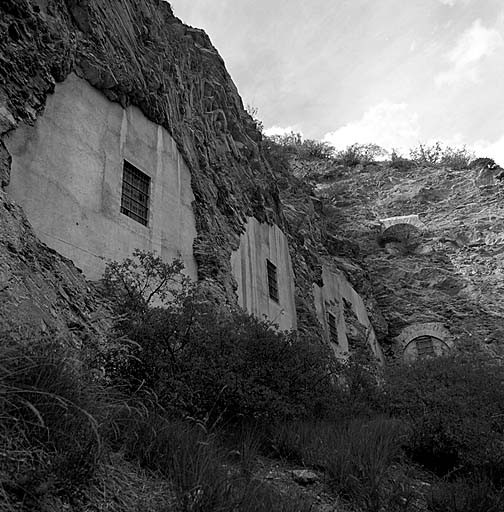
[139, 53]
[451, 271]
[40, 291]
[142, 54]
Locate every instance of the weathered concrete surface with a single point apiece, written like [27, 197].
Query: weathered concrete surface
[67, 175]
[261, 242]
[406, 340]
[331, 297]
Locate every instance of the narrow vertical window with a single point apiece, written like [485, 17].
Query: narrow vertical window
[331, 324]
[272, 280]
[135, 194]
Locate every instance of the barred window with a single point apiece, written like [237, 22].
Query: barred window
[425, 346]
[331, 324]
[135, 194]
[272, 280]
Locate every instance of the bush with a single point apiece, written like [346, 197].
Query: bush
[397, 161]
[363, 154]
[293, 144]
[455, 405]
[439, 155]
[138, 282]
[215, 365]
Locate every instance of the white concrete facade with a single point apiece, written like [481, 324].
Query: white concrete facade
[329, 299]
[67, 175]
[258, 244]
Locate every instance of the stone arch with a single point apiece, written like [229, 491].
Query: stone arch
[401, 229]
[413, 220]
[424, 339]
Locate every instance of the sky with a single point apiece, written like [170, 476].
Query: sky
[391, 72]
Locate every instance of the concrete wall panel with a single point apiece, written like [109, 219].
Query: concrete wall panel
[259, 243]
[67, 175]
[330, 298]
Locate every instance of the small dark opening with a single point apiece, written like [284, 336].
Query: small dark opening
[331, 324]
[272, 281]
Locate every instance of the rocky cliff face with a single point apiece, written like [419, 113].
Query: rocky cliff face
[141, 54]
[42, 293]
[450, 272]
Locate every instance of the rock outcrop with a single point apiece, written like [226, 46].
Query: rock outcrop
[450, 271]
[41, 292]
[141, 54]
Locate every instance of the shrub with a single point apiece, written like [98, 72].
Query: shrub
[438, 155]
[293, 144]
[399, 162]
[454, 404]
[138, 282]
[363, 154]
[253, 112]
[212, 364]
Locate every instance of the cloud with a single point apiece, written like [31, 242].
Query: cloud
[495, 150]
[451, 3]
[471, 48]
[280, 130]
[390, 125]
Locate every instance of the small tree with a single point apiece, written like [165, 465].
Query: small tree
[137, 282]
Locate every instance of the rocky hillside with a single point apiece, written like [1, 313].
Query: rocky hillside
[450, 272]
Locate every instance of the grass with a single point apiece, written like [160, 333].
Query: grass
[476, 494]
[49, 438]
[357, 457]
[65, 442]
[358, 463]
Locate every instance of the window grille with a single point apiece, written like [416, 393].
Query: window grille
[135, 194]
[272, 280]
[425, 346]
[331, 324]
